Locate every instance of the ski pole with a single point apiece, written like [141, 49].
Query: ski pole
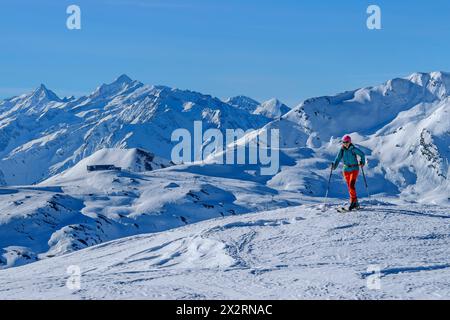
[329, 181]
[365, 181]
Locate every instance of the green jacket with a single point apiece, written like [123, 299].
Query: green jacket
[349, 158]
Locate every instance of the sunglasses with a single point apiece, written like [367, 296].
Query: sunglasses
[345, 142]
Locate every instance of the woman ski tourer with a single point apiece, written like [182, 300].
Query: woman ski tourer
[348, 154]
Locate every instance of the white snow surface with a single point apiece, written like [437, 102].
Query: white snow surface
[299, 252]
[42, 135]
[204, 230]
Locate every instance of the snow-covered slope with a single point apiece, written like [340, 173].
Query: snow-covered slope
[294, 253]
[42, 135]
[272, 108]
[40, 100]
[244, 103]
[78, 208]
[403, 126]
[367, 110]
[134, 160]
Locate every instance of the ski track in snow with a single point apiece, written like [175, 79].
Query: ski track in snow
[293, 253]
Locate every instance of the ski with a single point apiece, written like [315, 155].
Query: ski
[344, 210]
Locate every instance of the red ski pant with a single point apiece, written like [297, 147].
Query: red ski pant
[350, 179]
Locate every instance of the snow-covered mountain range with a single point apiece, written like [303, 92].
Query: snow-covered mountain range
[51, 205]
[272, 108]
[403, 126]
[42, 135]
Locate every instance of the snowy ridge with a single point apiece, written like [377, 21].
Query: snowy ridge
[272, 108]
[134, 160]
[42, 135]
[401, 125]
[368, 109]
[244, 103]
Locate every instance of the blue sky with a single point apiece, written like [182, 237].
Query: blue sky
[288, 49]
